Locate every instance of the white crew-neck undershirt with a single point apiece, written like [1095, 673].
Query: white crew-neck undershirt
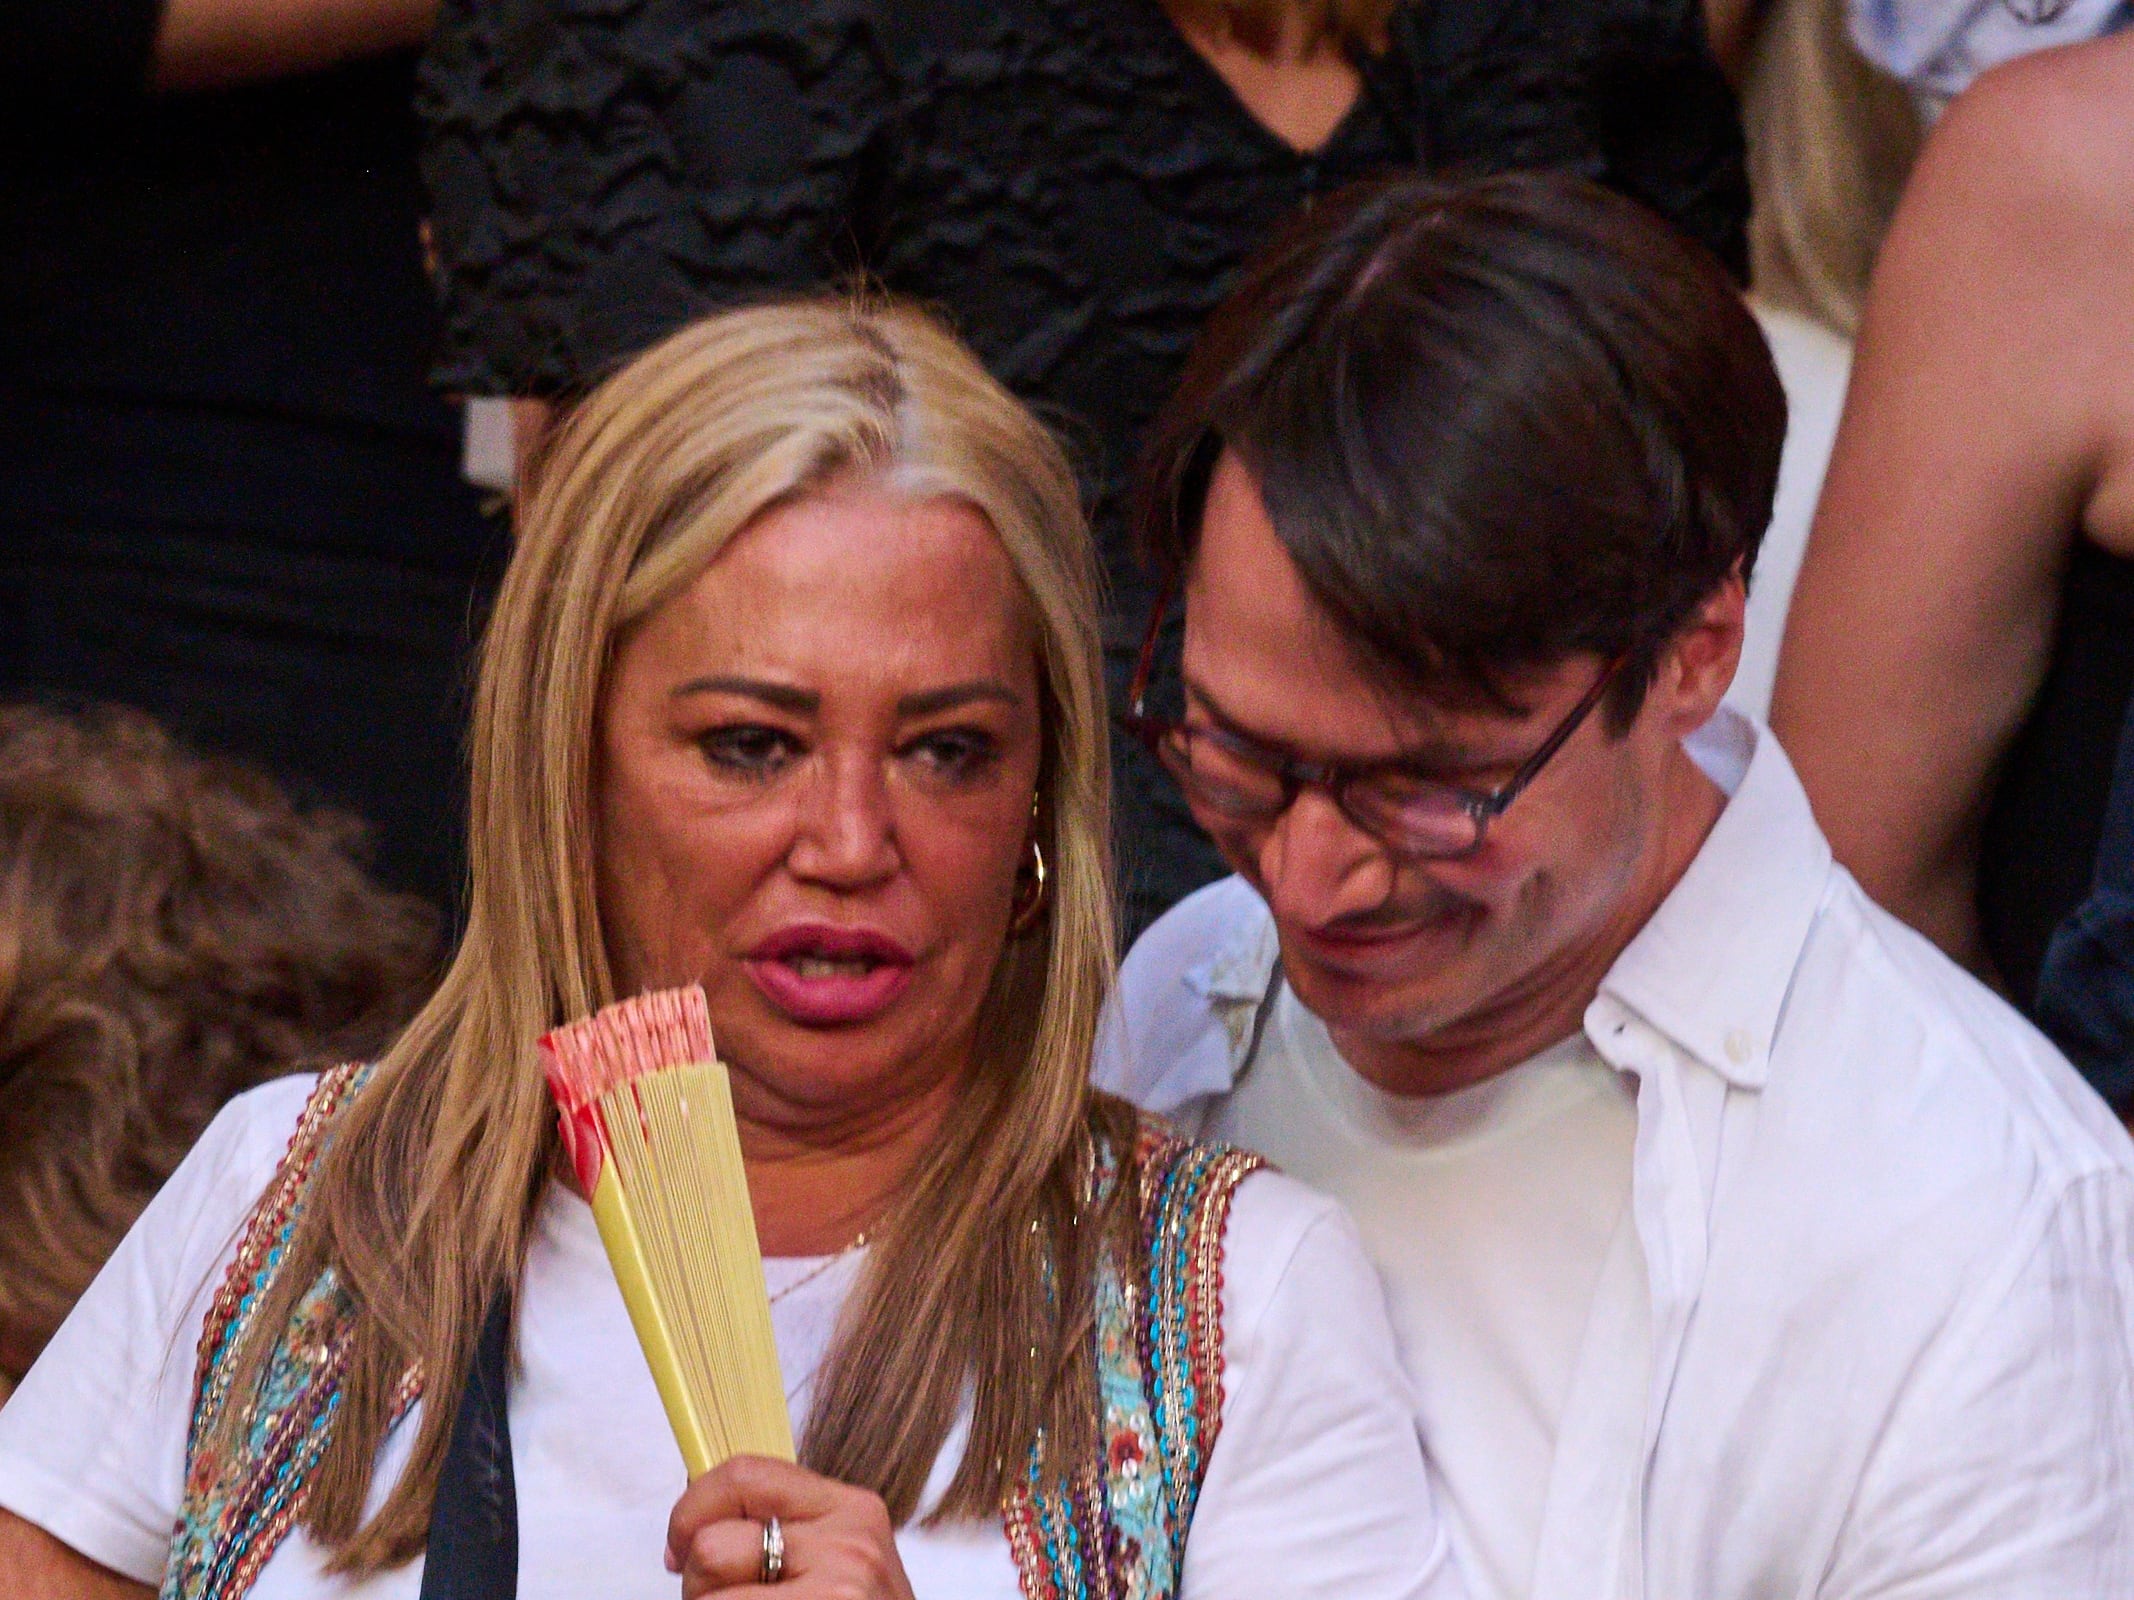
[1499, 1218]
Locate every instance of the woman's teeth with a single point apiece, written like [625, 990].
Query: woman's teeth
[831, 966]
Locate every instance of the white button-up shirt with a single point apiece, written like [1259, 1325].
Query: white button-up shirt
[1888, 1237]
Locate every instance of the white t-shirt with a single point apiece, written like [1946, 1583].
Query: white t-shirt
[1499, 1217]
[1316, 1485]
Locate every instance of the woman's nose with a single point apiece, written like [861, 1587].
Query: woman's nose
[845, 834]
[1317, 866]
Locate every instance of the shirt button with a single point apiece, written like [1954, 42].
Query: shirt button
[1739, 1047]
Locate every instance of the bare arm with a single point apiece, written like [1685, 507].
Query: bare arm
[210, 44]
[1974, 448]
[32, 1562]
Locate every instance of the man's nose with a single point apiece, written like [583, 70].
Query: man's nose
[1316, 865]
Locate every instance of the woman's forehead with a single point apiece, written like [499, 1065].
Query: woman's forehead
[854, 579]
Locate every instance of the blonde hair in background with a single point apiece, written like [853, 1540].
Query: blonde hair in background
[1831, 141]
[425, 1201]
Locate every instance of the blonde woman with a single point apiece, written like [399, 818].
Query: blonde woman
[792, 691]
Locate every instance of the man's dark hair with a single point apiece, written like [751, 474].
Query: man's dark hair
[1495, 424]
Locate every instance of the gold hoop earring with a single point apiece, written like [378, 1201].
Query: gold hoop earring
[1030, 893]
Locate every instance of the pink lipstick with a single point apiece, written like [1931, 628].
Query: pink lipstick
[824, 976]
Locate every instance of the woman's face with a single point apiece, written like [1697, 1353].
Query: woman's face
[815, 770]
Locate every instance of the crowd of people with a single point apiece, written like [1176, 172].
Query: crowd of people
[1170, 606]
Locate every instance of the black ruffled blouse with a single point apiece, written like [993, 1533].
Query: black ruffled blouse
[1067, 180]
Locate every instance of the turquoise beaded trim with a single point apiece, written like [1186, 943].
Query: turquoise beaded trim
[1117, 1528]
[241, 1502]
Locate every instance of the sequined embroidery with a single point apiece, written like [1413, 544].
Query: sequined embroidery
[1117, 1529]
[240, 1503]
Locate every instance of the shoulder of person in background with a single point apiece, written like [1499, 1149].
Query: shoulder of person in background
[1938, 48]
[215, 44]
[1989, 427]
[175, 932]
[2042, 146]
[559, 252]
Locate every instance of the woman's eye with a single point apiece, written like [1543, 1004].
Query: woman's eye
[956, 754]
[748, 750]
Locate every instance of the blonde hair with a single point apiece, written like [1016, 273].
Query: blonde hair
[980, 1280]
[1831, 141]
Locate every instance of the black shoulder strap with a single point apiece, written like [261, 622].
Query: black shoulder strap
[473, 1553]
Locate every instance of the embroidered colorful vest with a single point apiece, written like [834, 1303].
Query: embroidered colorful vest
[1116, 1531]
[241, 1501]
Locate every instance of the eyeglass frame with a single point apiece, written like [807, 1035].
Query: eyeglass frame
[1335, 778]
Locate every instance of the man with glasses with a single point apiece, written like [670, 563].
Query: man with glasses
[1741, 1245]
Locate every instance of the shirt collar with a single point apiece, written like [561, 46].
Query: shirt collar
[1241, 965]
[1711, 969]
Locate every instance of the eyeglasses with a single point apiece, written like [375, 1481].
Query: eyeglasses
[1237, 780]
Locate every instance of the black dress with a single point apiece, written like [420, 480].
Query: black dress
[2038, 849]
[1068, 180]
[2085, 996]
[227, 494]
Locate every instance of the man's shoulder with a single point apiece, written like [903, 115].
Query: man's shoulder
[1920, 1207]
[1204, 924]
[1904, 1047]
[1168, 1036]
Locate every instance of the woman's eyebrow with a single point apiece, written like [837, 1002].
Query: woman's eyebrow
[806, 702]
[782, 696]
[932, 702]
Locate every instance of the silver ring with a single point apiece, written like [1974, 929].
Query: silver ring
[773, 1568]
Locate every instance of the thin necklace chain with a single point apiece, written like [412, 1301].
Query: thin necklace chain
[859, 1242]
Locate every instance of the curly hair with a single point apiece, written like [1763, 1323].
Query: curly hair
[173, 931]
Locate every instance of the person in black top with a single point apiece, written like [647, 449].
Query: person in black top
[2086, 977]
[1075, 183]
[227, 495]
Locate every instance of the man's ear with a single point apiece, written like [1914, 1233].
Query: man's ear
[1699, 666]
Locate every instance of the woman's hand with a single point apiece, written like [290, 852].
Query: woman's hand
[838, 1541]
